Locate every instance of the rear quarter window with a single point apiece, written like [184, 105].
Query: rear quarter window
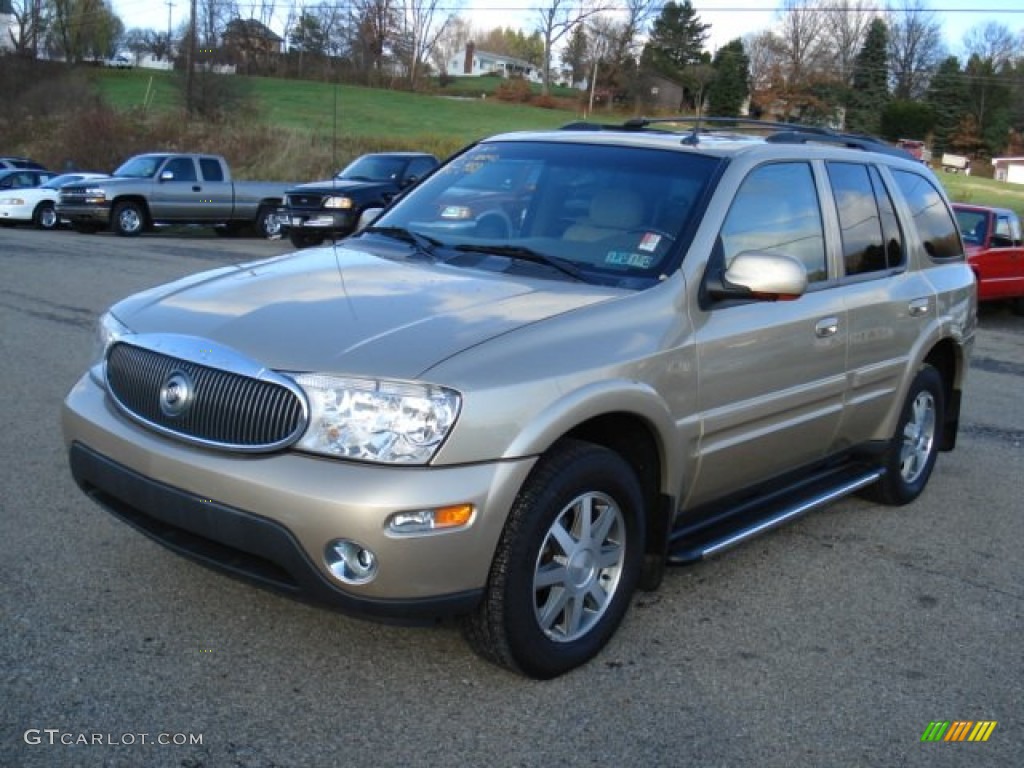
[931, 216]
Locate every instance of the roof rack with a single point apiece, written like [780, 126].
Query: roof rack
[777, 132]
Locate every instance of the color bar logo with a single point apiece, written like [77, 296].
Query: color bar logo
[958, 730]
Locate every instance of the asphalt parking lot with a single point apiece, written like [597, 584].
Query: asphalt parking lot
[834, 641]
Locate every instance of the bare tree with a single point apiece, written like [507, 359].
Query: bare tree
[28, 27]
[558, 19]
[422, 23]
[915, 47]
[802, 47]
[846, 25]
[371, 31]
[991, 42]
[451, 42]
[81, 29]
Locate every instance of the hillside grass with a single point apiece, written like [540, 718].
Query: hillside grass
[980, 191]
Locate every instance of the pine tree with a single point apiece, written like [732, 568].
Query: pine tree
[677, 40]
[947, 97]
[870, 92]
[730, 88]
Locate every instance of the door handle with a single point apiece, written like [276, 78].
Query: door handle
[918, 307]
[829, 326]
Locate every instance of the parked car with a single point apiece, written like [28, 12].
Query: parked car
[20, 162]
[995, 251]
[321, 209]
[36, 205]
[21, 178]
[164, 188]
[684, 337]
[119, 61]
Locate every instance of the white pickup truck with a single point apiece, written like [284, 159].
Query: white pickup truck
[162, 189]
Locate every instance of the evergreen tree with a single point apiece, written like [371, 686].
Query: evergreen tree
[870, 92]
[574, 56]
[677, 40]
[947, 97]
[730, 87]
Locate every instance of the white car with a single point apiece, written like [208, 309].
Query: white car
[35, 205]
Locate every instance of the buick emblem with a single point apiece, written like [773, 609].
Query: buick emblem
[176, 394]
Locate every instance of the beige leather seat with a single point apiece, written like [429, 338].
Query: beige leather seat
[612, 212]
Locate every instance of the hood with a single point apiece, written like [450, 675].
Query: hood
[339, 185]
[348, 311]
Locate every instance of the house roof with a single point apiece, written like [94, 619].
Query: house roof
[250, 28]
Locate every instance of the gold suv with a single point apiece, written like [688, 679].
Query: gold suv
[564, 360]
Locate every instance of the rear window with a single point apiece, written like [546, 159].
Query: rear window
[932, 218]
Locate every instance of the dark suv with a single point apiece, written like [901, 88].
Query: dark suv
[331, 208]
[564, 360]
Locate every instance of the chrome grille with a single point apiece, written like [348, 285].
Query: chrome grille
[225, 410]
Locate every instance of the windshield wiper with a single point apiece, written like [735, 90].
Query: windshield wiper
[423, 244]
[521, 253]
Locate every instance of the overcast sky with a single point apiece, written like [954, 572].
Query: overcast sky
[729, 19]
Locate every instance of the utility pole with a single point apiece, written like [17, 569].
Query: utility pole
[169, 5]
[190, 60]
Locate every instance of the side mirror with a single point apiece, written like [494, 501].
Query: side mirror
[760, 275]
[367, 217]
[167, 176]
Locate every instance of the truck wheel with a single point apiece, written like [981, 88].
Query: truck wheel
[304, 240]
[911, 455]
[129, 219]
[44, 216]
[566, 565]
[267, 223]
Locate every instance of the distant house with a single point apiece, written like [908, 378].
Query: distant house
[474, 63]
[249, 37]
[1009, 169]
[7, 25]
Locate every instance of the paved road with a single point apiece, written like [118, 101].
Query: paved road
[832, 642]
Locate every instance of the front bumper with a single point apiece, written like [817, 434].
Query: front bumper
[84, 213]
[268, 518]
[322, 222]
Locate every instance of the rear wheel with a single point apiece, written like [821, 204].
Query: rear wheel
[910, 458]
[566, 566]
[44, 216]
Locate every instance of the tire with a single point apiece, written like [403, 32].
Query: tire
[44, 216]
[267, 224]
[128, 219]
[543, 628]
[910, 458]
[304, 240]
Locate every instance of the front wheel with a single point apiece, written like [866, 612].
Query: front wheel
[44, 216]
[566, 566]
[129, 219]
[267, 223]
[910, 458]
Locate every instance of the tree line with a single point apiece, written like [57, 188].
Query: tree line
[849, 64]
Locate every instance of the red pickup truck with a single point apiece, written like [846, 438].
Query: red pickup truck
[995, 251]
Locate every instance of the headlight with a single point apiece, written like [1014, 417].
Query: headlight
[95, 195]
[338, 202]
[11, 201]
[382, 421]
[108, 331]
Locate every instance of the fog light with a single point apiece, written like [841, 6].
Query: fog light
[350, 562]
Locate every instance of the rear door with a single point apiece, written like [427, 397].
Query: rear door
[771, 374]
[179, 197]
[217, 190]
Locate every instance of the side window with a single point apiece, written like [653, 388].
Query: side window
[894, 253]
[935, 224]
[211, 168]
[776, 210]
[859, 222]
[182, 167]
[418, 168]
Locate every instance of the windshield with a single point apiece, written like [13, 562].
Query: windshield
[373, 168]
[142, 167]
[608, 214]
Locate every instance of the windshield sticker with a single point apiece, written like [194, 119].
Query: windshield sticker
[649, 242]
[629, 259]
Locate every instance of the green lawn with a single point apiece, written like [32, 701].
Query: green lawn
[979, 191]
[313, 107]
